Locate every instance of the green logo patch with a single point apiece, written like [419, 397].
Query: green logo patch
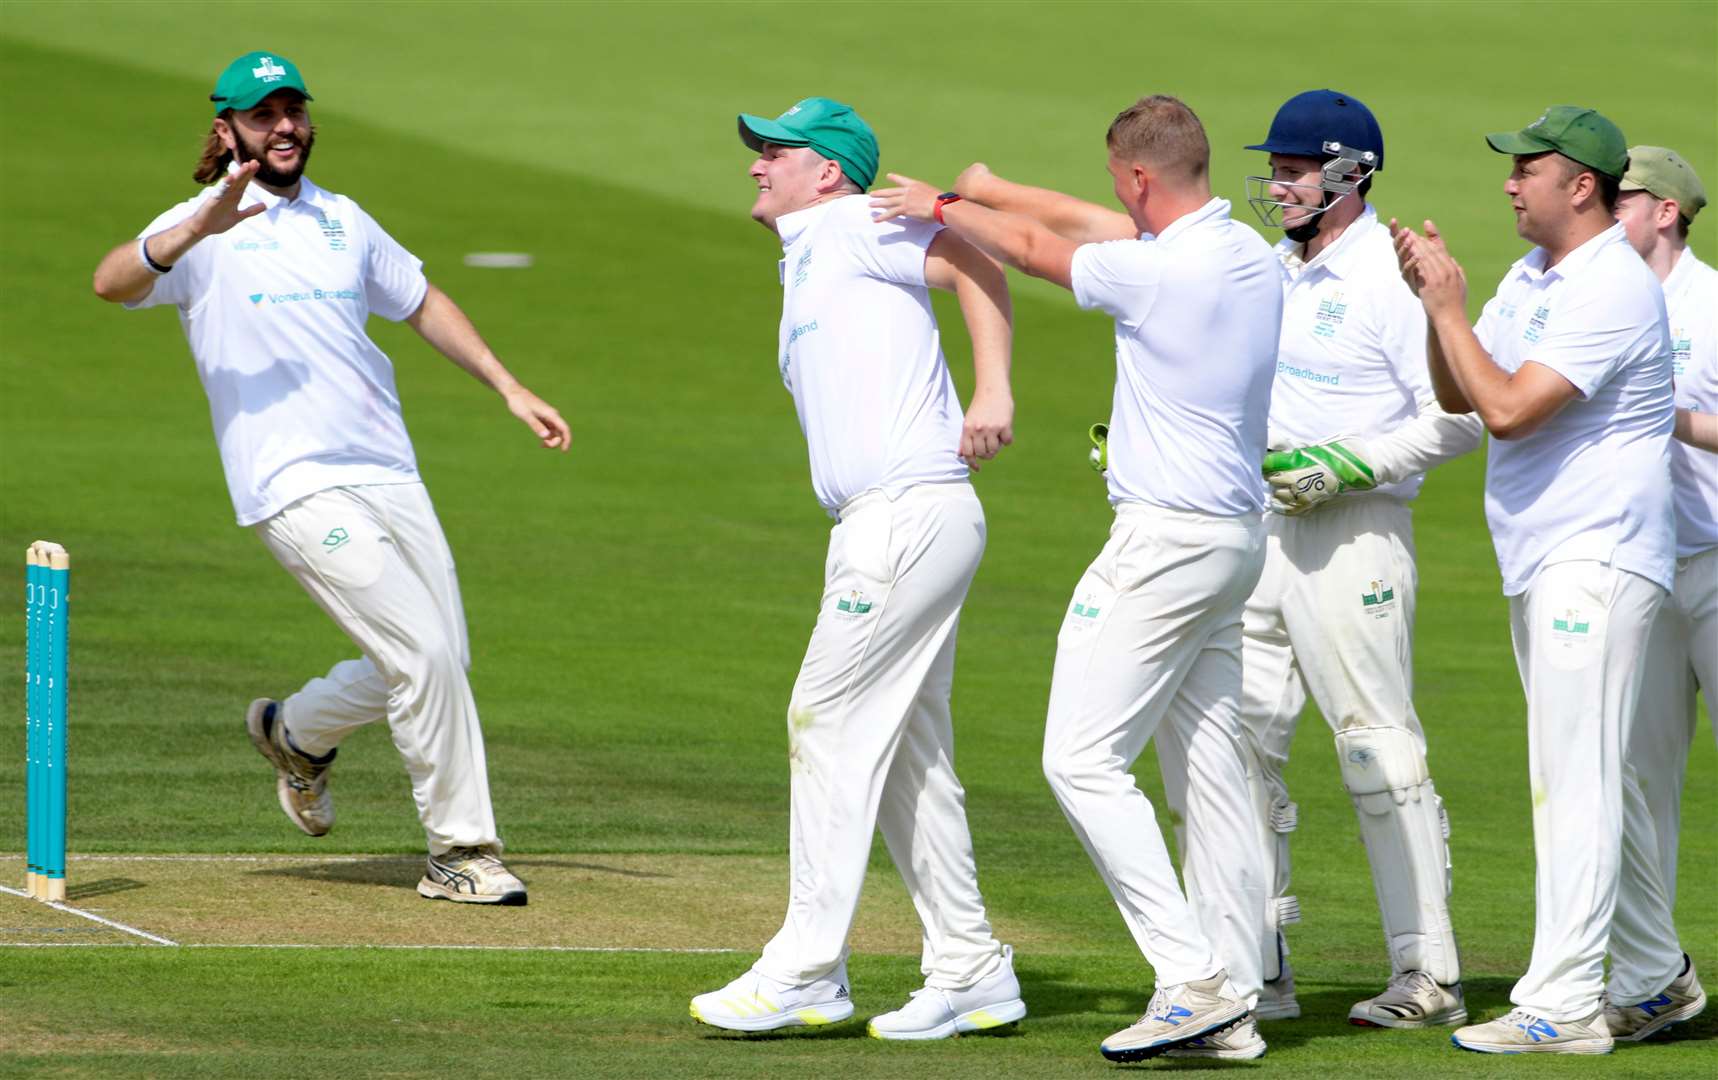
[336, 539]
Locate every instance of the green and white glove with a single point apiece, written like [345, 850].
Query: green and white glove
[1100, 453]
[1305, 478]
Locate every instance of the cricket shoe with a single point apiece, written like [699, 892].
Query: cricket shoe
[1176, 1016]
[1276, 998]
[471, 875]
[1237, 1042]
[1683, 999]
[1524, 1032]
[932, 1013]
[301, 781]
[1413, 999]
[756, 1002]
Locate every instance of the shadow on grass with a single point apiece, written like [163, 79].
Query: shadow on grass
[394, 871]
[104, 887]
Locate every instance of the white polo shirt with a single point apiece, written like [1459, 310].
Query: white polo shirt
[860, 352]
[1198, 309]
[1691, 297]
[1592, 482]
[274, 310]
[1352, 359]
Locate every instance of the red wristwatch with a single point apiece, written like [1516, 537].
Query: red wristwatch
[943, 200]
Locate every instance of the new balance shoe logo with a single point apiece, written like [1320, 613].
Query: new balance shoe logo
[1175, 1015]
[1539, 1029]
[1651, 1007]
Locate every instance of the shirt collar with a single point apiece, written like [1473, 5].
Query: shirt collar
[1684, 267]
[790, 227]
[1336, 259]
[1216, 208]
[1533, 263]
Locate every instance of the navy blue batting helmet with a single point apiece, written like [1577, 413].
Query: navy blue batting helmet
[1309, 120]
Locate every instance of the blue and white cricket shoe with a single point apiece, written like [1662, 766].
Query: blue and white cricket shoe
[1524, 1032]
[1682, 1000]
[1177, 1016]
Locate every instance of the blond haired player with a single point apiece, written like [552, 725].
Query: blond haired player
[870, 735]
[1660, 197]
[273, 278]
[1151, 642]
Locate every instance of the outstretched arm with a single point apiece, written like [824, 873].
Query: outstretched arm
[1064, 215]
[439, 321]
[1510, 405]
[1014, 239]
[123, 277]
[954, 265]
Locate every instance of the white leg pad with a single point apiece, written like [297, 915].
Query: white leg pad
[1403, 826]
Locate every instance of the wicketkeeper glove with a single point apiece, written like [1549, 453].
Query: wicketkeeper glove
[1100, 453]
[1305, 478]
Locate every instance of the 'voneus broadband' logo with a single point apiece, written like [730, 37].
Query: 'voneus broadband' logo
[302, 297]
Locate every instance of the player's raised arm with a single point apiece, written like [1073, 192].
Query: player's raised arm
[953, 264]
[1015, 239]
[1065, 215]
[439, 321]
[128, 272]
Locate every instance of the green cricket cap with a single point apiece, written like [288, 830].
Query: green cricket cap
[829, 127]
[1664, 175]
[254, 76]
[1578, 134]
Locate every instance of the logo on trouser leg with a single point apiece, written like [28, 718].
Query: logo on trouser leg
[335, 540]
[854, 603]
[1381, 596]
[1571, 625]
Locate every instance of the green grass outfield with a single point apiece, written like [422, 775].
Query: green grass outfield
[638, 608]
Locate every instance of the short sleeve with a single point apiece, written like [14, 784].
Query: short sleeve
[1119, 277]
[893, 251]
[1486, 328]
[186, 282]
[394, 281]
[1593, 334]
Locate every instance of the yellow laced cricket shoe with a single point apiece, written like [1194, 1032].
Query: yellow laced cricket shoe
[933, 1013]
[1682, 1000]
[301, 781]
[756, 1002]
[1522, 1032]
[471, 875]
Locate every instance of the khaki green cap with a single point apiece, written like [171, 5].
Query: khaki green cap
[254, 76]
[1664, 175]
[1578, 134]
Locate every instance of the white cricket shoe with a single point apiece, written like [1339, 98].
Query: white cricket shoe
[1237, 1042]
[756, 1002]
[471, 875]
[1276, 998]
[1683, 999]
[1524, 1032]
[1413, 999]
[1177, 1015]
[931, 1013]
[301, 782]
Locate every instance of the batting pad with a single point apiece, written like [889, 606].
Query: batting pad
[1402, 824]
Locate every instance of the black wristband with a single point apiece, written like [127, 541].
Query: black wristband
[143, 252]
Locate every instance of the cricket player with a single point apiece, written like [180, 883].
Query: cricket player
[1660, 197]
[1569, 369]
[274, 278]
[870, 738]
[1334, 610]
[1151, 642]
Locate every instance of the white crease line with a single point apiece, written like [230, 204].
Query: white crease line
[92, 917]
[84, 859]
[398, 948]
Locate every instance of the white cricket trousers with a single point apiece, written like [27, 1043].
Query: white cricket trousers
[1580, 633]
[1153, 637]
[374, 558]
[871, 738]
[1681, 656]
[1333, 614]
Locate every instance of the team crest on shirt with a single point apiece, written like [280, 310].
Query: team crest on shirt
[801, 268]
[855, 604]
[333, 232]
[1329, 315]
[1681, 348]
[1379, 600]
[1536, 324]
